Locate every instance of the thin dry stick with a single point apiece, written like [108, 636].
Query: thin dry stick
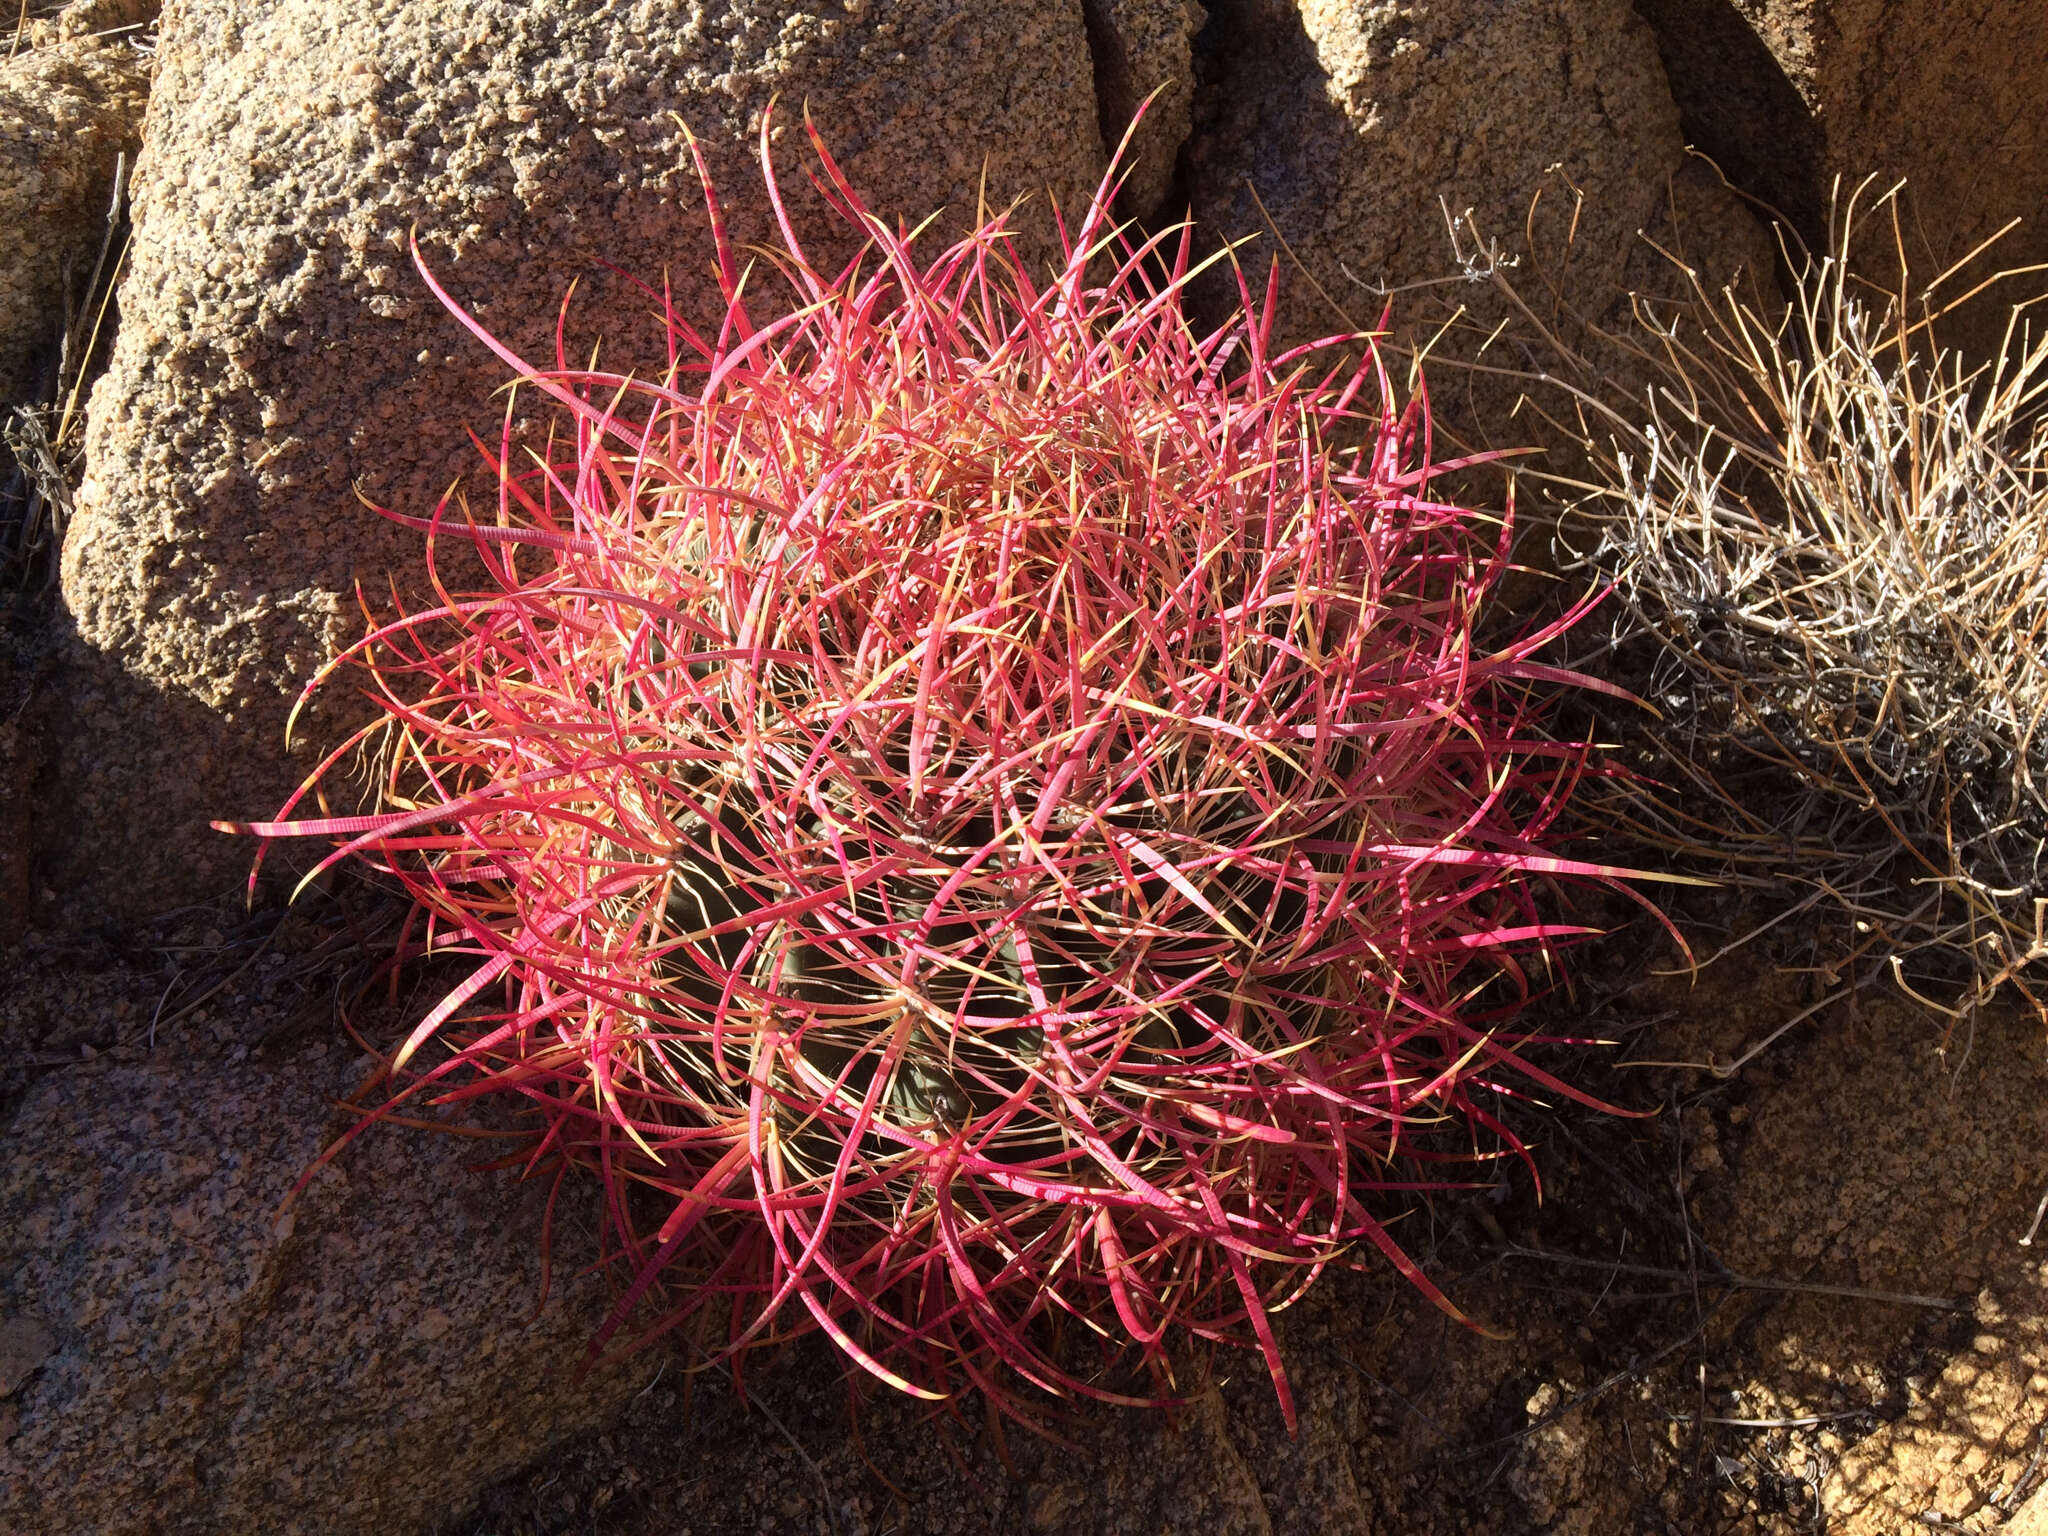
[817, 1472]
[1730, 1281]
[1805, 1421]
[1730, 1068]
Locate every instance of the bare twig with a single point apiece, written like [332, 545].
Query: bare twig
[1808, 1421]
[1725, 1280]
[1730, 1068]
[818, 1472]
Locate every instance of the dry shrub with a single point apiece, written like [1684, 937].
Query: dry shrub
[1827, 534]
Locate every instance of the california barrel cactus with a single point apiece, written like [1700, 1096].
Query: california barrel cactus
[979, 811]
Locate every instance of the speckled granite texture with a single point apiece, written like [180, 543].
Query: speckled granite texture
[278, 353]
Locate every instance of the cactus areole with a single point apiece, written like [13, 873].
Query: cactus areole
[984, 826]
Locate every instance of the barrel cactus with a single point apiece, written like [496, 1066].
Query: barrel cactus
[979, 810]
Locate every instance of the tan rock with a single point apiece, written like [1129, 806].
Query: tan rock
[278, 352]
[180, 1362]
[24, 1345]
[1143, 46]
[2031, 1519]
[1790, 94]
[1360, 126]
[69, 109]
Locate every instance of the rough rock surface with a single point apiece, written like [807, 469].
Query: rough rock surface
[1142, 46]
[171, 1362]
[278, 351]
[1925, 1188]
[1359, 125]
[67, 112]
[2032, 1519]
[1788, 94]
